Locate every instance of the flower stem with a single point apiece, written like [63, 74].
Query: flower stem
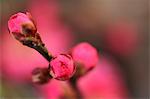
[73, 83]
[43, 51]
[40, 47]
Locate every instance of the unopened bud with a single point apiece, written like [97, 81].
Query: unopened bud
[21, 25]
[62, 67]
[85, 54]
[40, 75]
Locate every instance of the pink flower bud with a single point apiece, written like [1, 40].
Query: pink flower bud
[62, 67]
[21, 23]
[85, 54]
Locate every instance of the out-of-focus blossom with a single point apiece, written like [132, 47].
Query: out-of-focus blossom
[56, 89]
[104, 81]
[85, 54]
[51, 90]
[121, 38]
[62, 67]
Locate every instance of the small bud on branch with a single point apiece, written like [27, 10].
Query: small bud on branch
[40, 75]
[85, 55]
[62, 67]
[23, 28]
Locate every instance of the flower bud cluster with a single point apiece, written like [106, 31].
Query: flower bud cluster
[62, 66]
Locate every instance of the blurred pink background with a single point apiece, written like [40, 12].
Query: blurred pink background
[117, 28]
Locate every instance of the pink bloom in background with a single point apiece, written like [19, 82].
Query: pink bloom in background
[17, 20]
[105, 81]
[62, 67]
[85, 54]
[51, 90]
[122, 38]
